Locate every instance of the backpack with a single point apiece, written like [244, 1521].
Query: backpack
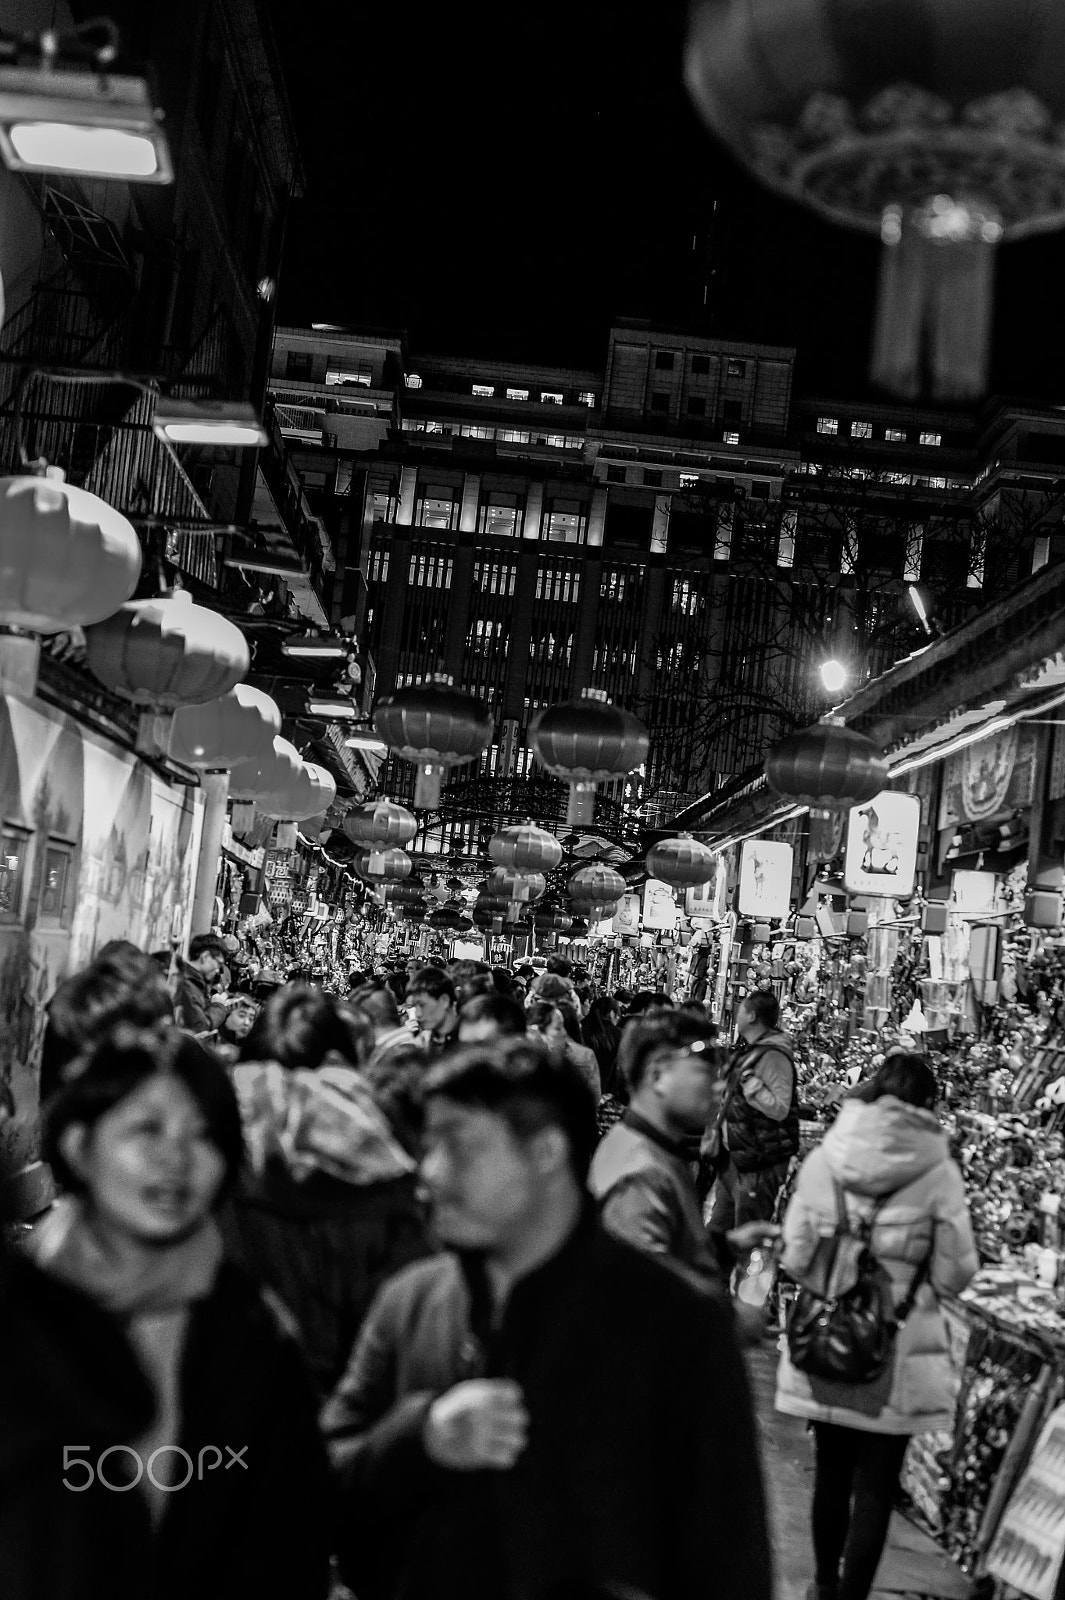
[845, 1331]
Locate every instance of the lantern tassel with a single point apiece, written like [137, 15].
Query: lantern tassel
[581, 807]
[937, 274]
[427, 788]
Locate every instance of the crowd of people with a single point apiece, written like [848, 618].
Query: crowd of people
[426, 1290]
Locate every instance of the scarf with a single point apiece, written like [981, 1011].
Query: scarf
[66, 1246]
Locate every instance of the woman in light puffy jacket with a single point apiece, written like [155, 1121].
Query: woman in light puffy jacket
[889, 1154]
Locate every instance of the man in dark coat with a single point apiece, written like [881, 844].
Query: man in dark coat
[193, 999]
[541, 1412]
[758, 1125]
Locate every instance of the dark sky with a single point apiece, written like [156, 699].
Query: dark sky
[503, 180]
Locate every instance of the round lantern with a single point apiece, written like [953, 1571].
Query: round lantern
[311, 792]
[448, 919]
[386, 863]
[681, 862]
[412, 911]
[263, 776]
[828, 767]
[579, 928]
[585, 742]
[599, 910]
[520, 886]
[597, 885]
[237, 727]
[526, 848]
[938, 128]
[167, 652]
[398, 893]
[552, 922]
[67, 559]
[380, 822]
[436, 725]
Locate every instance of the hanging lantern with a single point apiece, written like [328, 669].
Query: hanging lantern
[398, 893]
[552, 922]
[266, 775]
[436, 725]
[578, 928]
[386, 863]
[380, 822]
[586, 742]
[937, 128]
[311, 792]
[526, 848]
[225, 733]
[599, 884]
[519, 886]
[67, 559]
[828, 767]
[681, 862]
[600, 910]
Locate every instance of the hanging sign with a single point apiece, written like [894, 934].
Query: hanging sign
[699, 899]
[627, 916]
[659, 906]
[765, 878]
[881, 856]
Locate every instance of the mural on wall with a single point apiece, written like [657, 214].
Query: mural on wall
[104, 849]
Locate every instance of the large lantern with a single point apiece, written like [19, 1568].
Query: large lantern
[828, 767]
[586, 742]
[398, 893]
[385, 864]
[681, 862]
[166, 653]
[67, 559]
[526, 848]
[269, 774]
[311, 792]
[519, 886]
[237, 727]
[936, 127]
[552, 922]
[436, 725]
[380, 822]
[596, 885]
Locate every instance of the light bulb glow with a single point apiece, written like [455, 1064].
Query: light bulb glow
[219, 433]
[69, 147]
[833, 676]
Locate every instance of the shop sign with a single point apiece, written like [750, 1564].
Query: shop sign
[765, 878]
[627, 917]
[973, 894]
[699, 900]
[881, 856]
[659, 905]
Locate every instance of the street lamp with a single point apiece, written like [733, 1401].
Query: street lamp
[833, 676]
[95, 126]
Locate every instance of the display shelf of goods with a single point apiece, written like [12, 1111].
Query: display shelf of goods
[828, 767]
[586, 742]
[436, 726]
[681, 862]
[380, 822]
[525, 848]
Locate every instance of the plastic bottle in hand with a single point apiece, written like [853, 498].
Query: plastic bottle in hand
[753, 1288]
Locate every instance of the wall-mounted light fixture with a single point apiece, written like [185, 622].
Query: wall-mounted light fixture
[94, 125]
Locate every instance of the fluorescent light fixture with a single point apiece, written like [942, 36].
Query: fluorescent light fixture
[275, 566]
[368, 742]
[336, 709]
[98, 126]
[315, 646]
[213, 422]
[917, 602]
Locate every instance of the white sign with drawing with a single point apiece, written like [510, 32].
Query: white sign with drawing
[765, 878]
[881, 854]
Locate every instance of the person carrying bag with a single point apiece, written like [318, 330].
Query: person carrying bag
[867, 1359]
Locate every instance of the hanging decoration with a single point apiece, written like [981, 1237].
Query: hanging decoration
[526, 848]
[380, 822]
[513, 885]
[435, 725]
[67, 559]
[398, 893]
[881, 858]
[681, 862]
[311, 793]
[828, 767]
[386, 863]
[598, 885]
[224, 733]
[587, 742]
[274, 771]
[938, 128]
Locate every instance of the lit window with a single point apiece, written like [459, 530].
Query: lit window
[895, 435]
[737, 369]
[730, 438]
[500, 515]
[689, 480]
[549, 398]
[484, 391]
[342, 370]
[384, 506]
[517, 394]
[437, 508]
[413, 380]
[14, 849]
[55, 903]
[861, 430]
[513, 435]
[586, 398]
[828, 424]
[931, 438]
[476, 430]
[574, 441]
[565, 522]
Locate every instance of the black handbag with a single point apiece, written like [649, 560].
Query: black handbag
[845, 1330]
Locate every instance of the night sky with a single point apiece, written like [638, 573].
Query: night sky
[503, 181]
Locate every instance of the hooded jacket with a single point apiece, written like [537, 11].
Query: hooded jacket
[895, 1156]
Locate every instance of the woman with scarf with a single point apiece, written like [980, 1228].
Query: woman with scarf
[146, 1139]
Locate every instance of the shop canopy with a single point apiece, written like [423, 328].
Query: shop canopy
[1002, 667]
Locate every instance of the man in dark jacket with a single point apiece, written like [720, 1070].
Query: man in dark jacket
[758, 1124]
[541, 1412]
[196, 975]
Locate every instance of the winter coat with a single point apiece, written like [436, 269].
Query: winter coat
[896, 1155]
[756, 1142]
[641, 1468]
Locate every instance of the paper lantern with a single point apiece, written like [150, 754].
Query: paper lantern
[520, 886]
[266, 775]
[680, 862]
[526, 848]
[935, 127]
[552, 922]
[386, 863]
[167, 652]
[67, 559]
[310, 792]
[436, 725]
[828, 767]
[586, 742]
[596, 885]
[224, 733]
[380, 822]
[396, 892]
